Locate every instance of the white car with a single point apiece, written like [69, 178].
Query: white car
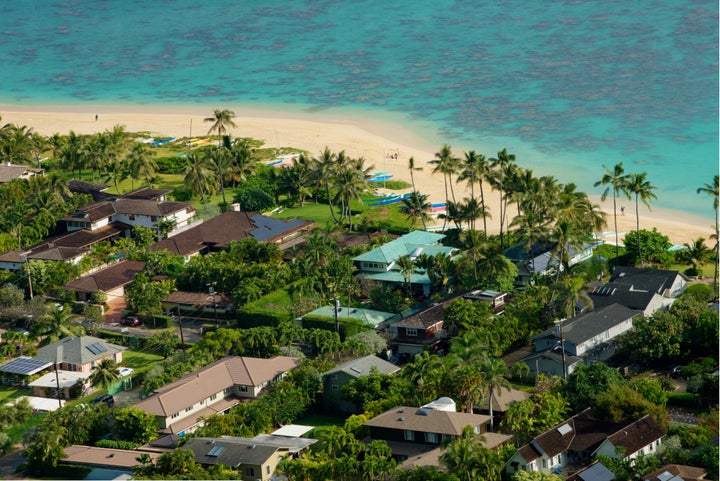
[125, 371]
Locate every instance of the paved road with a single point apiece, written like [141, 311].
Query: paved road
[10, 462]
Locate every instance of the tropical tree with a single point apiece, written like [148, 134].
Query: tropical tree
[616, 182]
[221, 119]
[475, 169]
[104, 374]
[503, 167]
[494, 374]
[412, 168]
[416, 207]
[713, 190]
[469, 460]
[643, 191]
[141, 164]
[44, 445]
[325, 168]
[445, 163]
[56, 325]
[218, 162]
[695, 254]
[407, 268]
[199, 177]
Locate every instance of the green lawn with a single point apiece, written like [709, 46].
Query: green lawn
[140, 361]
[322, 424]
[8, 393]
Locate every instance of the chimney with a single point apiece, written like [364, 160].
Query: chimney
[235, 207]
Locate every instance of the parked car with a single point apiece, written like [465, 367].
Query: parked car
[676, 371]
[105, 398]
[125, 371]
[131, 321]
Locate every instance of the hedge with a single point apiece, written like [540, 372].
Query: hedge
[253, 316]
[348, 327]
[113, 444]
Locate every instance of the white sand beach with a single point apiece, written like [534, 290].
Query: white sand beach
[372, 140]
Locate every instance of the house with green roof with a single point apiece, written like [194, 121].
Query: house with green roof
[380, 264]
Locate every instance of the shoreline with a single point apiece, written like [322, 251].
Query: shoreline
[338, 129]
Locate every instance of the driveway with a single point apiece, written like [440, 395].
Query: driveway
[115, 310]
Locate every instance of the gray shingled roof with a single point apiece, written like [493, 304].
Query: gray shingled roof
[586, 326]
[363, 366]
[78, 350]
[231, 452]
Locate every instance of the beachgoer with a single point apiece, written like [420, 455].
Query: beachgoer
[96, 117]
[622, 209]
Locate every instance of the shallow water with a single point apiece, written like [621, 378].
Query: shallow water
[565, 85]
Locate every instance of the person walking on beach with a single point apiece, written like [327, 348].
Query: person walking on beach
[96, 117]
[622, 210]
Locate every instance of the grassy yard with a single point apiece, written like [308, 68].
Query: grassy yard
[140, 361]
[8, 393]
[322, 424]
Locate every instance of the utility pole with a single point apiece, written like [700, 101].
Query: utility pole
[58, 359]
[562, 347]
[337, 317]
[211, 288]
[182, 338]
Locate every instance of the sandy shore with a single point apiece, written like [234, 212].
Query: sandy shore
[373, 140]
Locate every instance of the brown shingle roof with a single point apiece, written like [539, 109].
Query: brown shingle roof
[106, 208]
[503, 398]
[146, 193]
[637, 435]
[426, 420]
[107, 279]
[224, 373]
[104, 457]
[687, 473]
[199, 298]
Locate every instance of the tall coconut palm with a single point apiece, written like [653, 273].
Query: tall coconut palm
[407, 268]
[616, 181]
[416, 207]
[71, 152]
[218, 162]
[56, 325]
[695, 254]
[713, 190]
[412, 168]
[643, 191]
[494, 374]
[475, 169]
[17, 145]
[241, 156]
[326, 167]
[445, 163]
[141, 164]
[502, 165]
[221, 119]
[350, 184]
[104, 374]
[198, 177]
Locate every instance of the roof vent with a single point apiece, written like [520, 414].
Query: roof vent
[401, 419]
[252, 446]
[422, 412]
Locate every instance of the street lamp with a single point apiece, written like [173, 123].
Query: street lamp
[211, 290]
[559, 323]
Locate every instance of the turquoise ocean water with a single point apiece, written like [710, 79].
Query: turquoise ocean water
[565, 85]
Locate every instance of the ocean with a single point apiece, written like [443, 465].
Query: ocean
[567, 86]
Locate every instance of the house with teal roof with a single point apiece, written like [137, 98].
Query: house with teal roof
[380, 264]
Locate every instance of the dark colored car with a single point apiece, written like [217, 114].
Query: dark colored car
[131, 321]
[105, 398]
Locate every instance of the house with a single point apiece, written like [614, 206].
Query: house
[196, 301]
[501, 400]
[369, 317]
[217, 233]
[410, 431]
[254, 458]
[105, 458]
[597, 471]
[646, 290]
[180, 406]
[676, 472]
[18, 371]
[336, 378]
[539, 260]
[110, 280]
[79, 354]
[69, 247]
[423, 329]
[380, 264]
[550, 362]
[144, 208]
[578, 439]
[71, 384]
[497, 300]
[10, 171]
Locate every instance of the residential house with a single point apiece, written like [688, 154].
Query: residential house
[578, 439]
[254, 458]
[676, 472]
[217, 233]
[551, 361]
[19, 371]
[411, 432]
[180, 406]
[646, 290]
[497, 300]
[369, 317]
[501, 400]
[539, 259]
[79, 354]
[380, 264]
[422, 329]
[207, 302]
[336, 378]
[110, 280]
[597, 471]
[10, 171]
[105, 458]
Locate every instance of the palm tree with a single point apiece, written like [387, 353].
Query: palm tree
[350, 184]
[407, 268]
[218, 163]
[71, 151]
[141, 164]
[326, 167]
[695, 254]
[17, 144]
[567, 293]
[446, 164]
[643, 190]
[412, 168]
[502, 165]
[104, 374]
[564, 235]
[475, 169]
[198, 177]
[416, 207]
[56, 325]
[713, 190]
[221, 119]
[616, 181]
[494, 373]
[241, 155]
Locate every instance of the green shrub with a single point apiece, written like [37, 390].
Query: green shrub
[253, 199]
[348, 327]
[702, 292]
[113, 444]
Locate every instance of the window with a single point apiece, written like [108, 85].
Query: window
[250, 472]
[267, 469]
[131, 217]
[333, 376]
[175, 415]
[335, 387]
[153, 218]
[227, 390]
[431, 438]
[213, 397]
[188, 409]
[411, 331]
[409, 435]
[243, 389]
[544, 463]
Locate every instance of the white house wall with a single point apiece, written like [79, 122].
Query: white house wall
[603, 337]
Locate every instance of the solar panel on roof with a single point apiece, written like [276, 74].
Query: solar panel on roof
[215, 451]
[96, 348]
[564, 429]
[25, 366]
[665, 476]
